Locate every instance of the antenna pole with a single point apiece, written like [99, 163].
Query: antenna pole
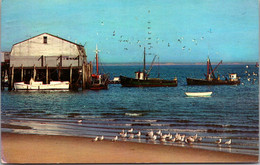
[144, 65]
[97, 58]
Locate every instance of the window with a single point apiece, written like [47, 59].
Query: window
[45, 39]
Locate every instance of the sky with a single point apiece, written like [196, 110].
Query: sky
[177, 31]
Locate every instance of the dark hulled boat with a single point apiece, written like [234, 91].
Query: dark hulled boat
[211, 79]
[99, 81]
[149, 82]
[142, 80]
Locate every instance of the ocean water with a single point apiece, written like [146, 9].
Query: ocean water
[232, 112]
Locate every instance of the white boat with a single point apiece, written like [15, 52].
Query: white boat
[198, 94]
[38, 85]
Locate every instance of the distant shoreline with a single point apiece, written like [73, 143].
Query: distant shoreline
[171, 64]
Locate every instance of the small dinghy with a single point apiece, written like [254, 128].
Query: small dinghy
[198, 94]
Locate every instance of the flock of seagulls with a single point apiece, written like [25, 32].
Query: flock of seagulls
[250, 77]
[148, 40]
[153, 136]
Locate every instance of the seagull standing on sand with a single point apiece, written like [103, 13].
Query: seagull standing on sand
[218, 141]
[159, 132]
[123, 131]
[96, 139]
[189, 140]
[162, 140]
[101, 138]
[195, 136]
[199, 139]
[115, 139]
[124, 135]
[131, 136]
[228, 142]
[150, 134]
[130, 130]
[138, 134]
[154, 137]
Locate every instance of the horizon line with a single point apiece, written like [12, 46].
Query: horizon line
[177, 63]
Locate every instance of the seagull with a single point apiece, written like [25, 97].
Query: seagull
[168, 135]
[154, 137]
[189, 140]
[79, 121]
[228, 142]
[169, 138]
[124, 135]
[199, 139]
[173, 140]
[218, 141]
[159, 132]
[131, 136]
[183, 47]
[130, 130]
[164, 136]
[162, 140]
[150, 134]
[195, 137]
[138, 134]
[101, 138]
[115, 139]
[96, 139]
[123, 131]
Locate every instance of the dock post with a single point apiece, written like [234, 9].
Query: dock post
[2, 79]
[22, 72]
[59, 73]
[70, 75]
[12, 77]
[47, 74]
[34, 72]
[83, 76]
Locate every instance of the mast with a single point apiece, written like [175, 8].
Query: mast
[144, 65]
[208, 68]
[97, 58]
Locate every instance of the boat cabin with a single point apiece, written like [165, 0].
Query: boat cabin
[139, 75]
[233, 77]
[96, 79]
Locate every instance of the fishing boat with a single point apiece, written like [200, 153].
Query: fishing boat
[142, 79]
[211, 79]
[198, 94]
[38, 85]
[99, 81]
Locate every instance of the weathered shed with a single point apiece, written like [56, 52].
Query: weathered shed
[46, 58]
[47, 49]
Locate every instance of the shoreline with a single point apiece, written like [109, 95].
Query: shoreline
[31, 148]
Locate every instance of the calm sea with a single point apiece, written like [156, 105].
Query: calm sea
[230, 113]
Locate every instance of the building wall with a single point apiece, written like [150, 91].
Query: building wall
[28, 52]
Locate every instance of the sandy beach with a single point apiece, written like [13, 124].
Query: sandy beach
[20, 148]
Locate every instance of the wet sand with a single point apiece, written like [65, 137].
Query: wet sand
[20, 148]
